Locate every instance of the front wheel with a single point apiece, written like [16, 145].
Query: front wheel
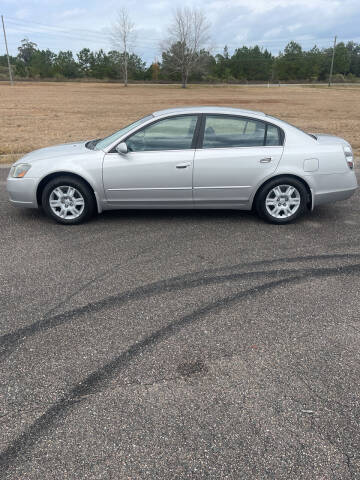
[282, 200]
[68, 200]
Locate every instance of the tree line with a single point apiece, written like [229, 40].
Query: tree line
[185, 58]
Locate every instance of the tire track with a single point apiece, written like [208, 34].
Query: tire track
[9, 342]
[98, 379]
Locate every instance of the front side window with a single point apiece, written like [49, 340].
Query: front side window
[174, 133]
[224, 132]
[105, 142]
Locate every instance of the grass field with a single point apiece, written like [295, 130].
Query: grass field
[34, 115]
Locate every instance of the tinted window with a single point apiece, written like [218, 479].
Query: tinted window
[273, 136]
[174, 133]
[221, 131]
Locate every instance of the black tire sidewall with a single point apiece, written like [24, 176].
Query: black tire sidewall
[72, 182]
[261, 197]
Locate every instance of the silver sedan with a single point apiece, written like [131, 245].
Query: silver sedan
[194, 157]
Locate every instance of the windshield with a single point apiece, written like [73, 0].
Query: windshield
[105, 142]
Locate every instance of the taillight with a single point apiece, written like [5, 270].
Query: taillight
[349, 156]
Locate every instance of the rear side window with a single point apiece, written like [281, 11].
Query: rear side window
[223, 132]
[273, 136]
[175, 133]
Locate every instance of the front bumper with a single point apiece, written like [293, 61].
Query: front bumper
[22, 191]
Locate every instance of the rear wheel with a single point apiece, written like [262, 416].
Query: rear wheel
[68, 200]
[281, 200]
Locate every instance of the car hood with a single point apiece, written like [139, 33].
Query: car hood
[66, 149]
[329, 139]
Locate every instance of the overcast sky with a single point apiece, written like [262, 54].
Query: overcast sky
[74, 24]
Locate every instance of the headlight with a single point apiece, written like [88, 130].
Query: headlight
[19, 171]
[349, 156]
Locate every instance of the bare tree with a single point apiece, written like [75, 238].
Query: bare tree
[188, 34]
[123, 37]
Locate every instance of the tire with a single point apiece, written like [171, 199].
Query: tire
[282, 200]
[68, 200]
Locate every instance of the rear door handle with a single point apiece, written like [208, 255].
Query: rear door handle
[183, 165]
[265, 160]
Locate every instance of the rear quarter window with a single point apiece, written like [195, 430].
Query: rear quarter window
[273, 136]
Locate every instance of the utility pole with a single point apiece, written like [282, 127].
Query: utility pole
[7, 52]
[125, 63]
[332, 63]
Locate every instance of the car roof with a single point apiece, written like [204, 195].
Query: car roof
[208, 109]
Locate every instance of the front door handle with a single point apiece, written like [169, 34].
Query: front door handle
[183, 165]
[265, 160]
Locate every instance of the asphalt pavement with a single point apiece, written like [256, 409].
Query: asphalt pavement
[180, 345]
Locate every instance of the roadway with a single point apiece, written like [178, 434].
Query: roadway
[180, 345]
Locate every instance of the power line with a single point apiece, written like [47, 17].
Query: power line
[60, 33]
[99, 34]
[96, 36]
[70, 35]
[55, 28]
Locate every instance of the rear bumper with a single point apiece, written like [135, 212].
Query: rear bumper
[333, 187]
[22, 192]
[328, 197]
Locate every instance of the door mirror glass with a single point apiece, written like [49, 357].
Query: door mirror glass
[121, 148]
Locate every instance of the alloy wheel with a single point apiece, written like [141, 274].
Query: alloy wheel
[66, 202]
[282, 201]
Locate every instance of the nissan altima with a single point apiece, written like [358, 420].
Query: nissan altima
[193, 157]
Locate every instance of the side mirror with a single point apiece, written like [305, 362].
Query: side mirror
[122, 148]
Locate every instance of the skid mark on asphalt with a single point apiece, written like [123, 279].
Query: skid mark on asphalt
[9, 342]
[98, 379]
[90, 282]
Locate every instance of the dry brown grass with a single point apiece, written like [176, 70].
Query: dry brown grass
[35, 115]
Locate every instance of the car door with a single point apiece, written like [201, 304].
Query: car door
[157, 170]
[236, 154]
